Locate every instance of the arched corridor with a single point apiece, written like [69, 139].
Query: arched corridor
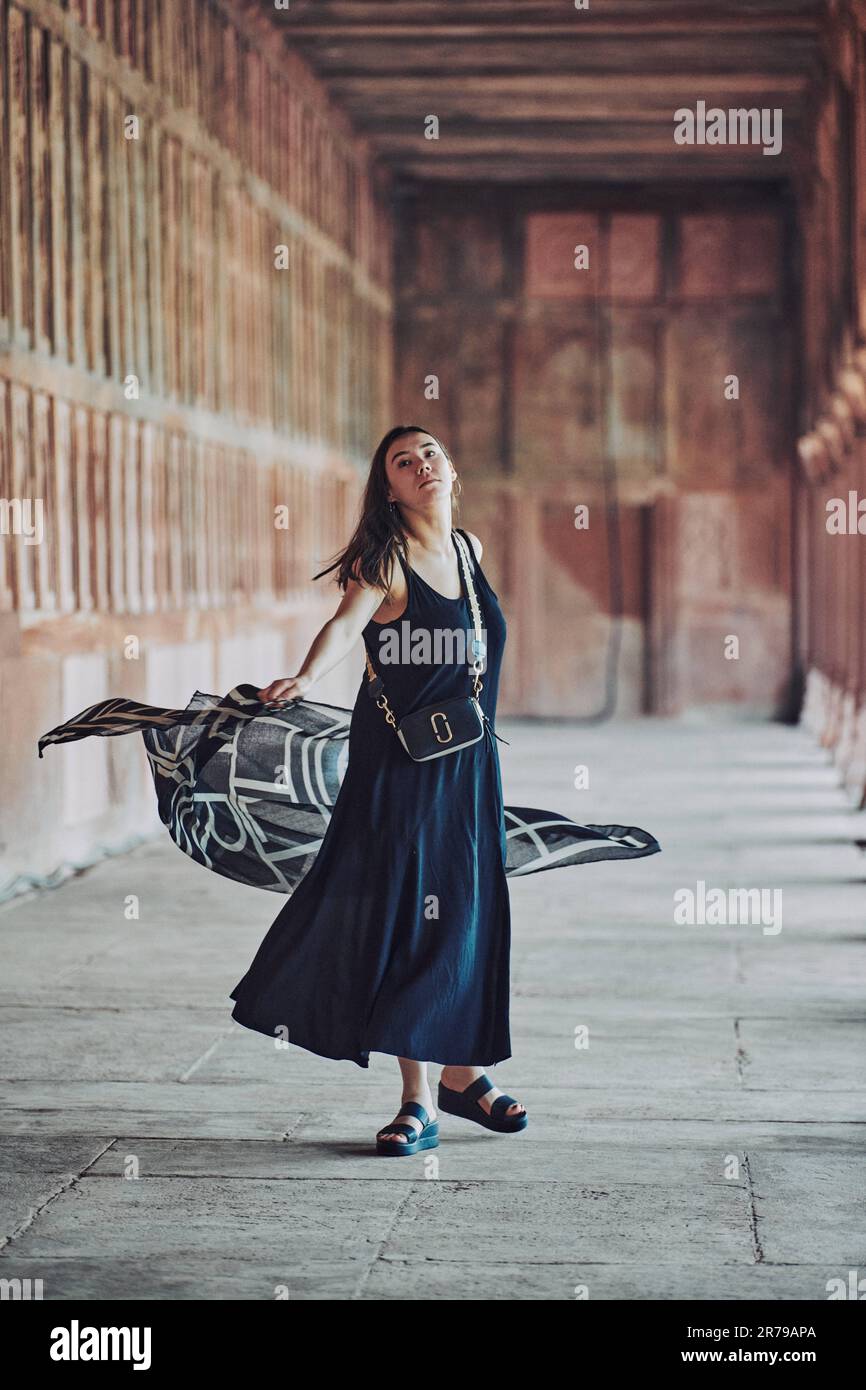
[614, 257]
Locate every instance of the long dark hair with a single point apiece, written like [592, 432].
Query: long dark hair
[379, 532]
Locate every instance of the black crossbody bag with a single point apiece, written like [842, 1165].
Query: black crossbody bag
[452, 724]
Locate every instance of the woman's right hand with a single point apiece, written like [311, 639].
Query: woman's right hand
[331, 644]
[286, 688]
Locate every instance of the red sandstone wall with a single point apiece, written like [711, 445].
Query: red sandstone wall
[163, 387]
[556, 386]
[831, 563]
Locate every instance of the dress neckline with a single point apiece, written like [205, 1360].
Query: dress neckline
[462, 596]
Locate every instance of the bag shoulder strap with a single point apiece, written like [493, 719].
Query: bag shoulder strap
[469, 546]
[464, 550]
[375, 684]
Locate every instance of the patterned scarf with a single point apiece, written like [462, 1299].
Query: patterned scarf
[248, 792]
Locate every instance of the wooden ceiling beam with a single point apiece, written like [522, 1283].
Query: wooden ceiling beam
[545, 55]
[484, 32]
[604, 142]
[547, 126]
[305, 18]
[545, 112]
[674, 88]
[585, 169]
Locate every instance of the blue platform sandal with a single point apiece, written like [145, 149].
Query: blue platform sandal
[466, 1105]
[427, 1138]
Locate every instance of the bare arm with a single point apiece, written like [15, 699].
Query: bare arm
[331, 645]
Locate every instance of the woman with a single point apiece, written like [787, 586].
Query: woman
[402, 925]
[396, 937]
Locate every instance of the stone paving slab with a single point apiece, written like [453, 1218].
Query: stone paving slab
[185, 1111]
[579, 1280]
[803, 1196]
[175, 1218]
[141, 1045]
[202, 1278]
[390, 1278]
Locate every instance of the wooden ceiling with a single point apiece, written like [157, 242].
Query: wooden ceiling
[538, 91]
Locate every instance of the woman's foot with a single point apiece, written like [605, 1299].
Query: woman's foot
[458, 1078]
[403, 1119]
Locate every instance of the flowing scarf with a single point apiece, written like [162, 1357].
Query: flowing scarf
[248, 792]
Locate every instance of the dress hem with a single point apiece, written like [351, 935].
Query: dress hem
[363, 1058]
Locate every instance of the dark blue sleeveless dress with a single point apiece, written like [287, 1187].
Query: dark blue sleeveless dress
[397, 940]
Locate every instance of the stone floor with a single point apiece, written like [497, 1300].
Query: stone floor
[708, 1143]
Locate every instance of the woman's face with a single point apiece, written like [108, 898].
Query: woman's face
[417, 472]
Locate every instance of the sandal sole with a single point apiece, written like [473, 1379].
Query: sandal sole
[392, 1148]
